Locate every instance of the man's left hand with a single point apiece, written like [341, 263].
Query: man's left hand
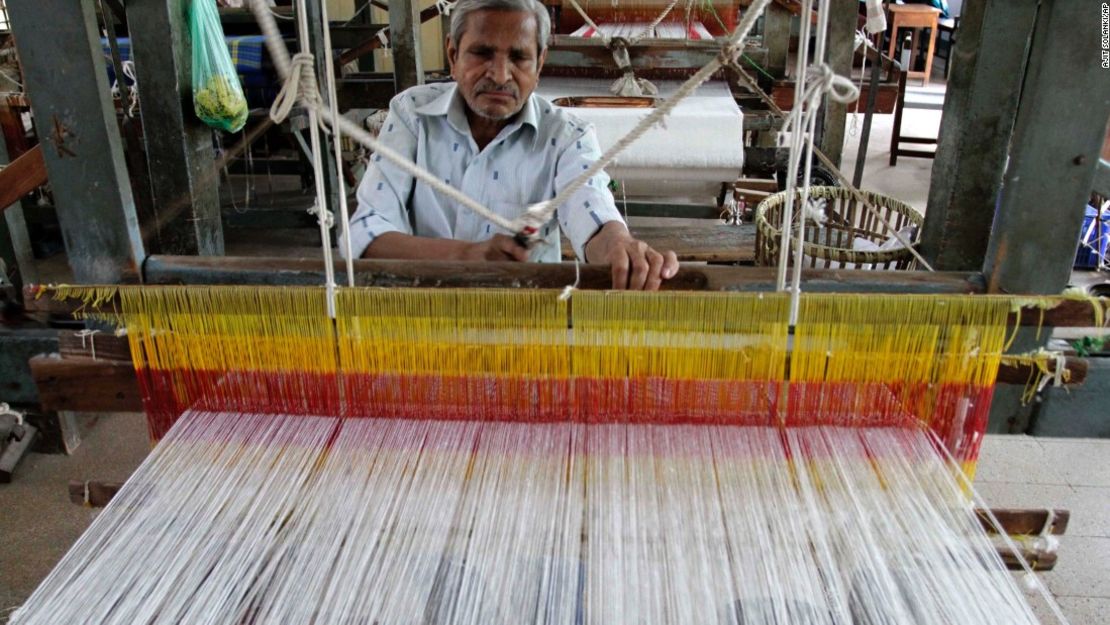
[635, 265]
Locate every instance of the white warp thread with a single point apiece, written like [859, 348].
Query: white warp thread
[240, 518]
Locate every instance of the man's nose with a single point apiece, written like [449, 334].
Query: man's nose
[500, 70]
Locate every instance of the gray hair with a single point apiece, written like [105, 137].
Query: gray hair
[463, 9]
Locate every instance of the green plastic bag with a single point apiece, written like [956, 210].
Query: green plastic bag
[217, 96]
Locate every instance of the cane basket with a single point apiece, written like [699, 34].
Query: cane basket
[830, 245]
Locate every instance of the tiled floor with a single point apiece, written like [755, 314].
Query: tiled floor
[1026, 472]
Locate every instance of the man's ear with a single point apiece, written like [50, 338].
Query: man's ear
[540, 60]
[452, 53]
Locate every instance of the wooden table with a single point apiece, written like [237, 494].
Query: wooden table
[915, 16]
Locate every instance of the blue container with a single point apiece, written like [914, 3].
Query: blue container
[1093, 239]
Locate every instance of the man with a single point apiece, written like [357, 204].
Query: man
[489, 136]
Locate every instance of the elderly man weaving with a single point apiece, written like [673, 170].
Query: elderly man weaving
[488, 135]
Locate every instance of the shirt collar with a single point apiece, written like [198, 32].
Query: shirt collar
[451, 104]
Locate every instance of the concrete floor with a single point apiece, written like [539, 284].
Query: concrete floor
[38, 523]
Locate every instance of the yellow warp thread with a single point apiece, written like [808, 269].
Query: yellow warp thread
[898, 341]
[452, 332]
[680, 336]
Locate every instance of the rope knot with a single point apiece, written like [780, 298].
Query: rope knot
[322, 215]
[822, 79]
[534, 217]
[730, 53]
[619, 47]
[299, 85]
[627, 85]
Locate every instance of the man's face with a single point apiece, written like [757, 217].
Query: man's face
[496, 64]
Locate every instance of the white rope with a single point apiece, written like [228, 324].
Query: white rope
[280, 56]
[822, 81]
[337, 142]
[6, 410]
[91, 335]
[301, 80]
[538, 214]
[569, 290]
[383, 37]
[627, 85]
[300, 86]
[861, 40]
[445, 7]
[795, 149]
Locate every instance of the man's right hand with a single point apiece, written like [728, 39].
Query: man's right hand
[500, 247]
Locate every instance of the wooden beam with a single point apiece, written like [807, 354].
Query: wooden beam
[278, 271]
[178, 145]
[885, 100]
[65, 75]
[1052, 156]
[1021, 524]
[263, 271]
[85, 384]
[1025, 521]
[275, 271]
[843, 18]
[22, 176]
[1023, 373]
[211, 177]
[15, 240]
[718, 243]
[94, 346]
[777, 21]
[404, 31]
[979, 108]
[651, 58]
[93, 493]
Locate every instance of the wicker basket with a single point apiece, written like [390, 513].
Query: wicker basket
[829, 246]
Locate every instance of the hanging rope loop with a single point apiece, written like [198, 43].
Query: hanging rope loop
[825, 80]
[820, 80]
[300, 86]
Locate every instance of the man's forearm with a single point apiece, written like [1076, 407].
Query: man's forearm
[406, 246]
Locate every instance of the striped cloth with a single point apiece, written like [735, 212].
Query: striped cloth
[246, 52]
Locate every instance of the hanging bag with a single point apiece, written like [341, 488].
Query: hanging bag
[217, 96]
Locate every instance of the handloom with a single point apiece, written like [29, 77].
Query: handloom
[507, 456]
[343, 455]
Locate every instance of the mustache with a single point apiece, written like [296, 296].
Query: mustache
[488, 86]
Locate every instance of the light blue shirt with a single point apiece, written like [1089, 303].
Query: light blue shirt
[539, 152]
